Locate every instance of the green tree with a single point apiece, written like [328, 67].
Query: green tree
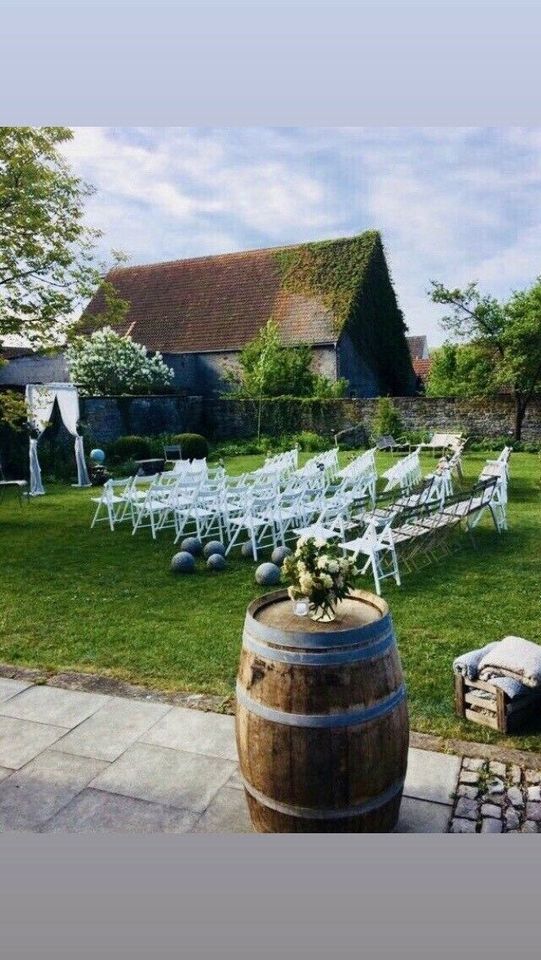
[508, 332]
[387, 420]
[47, 265]
[268, 368]
[461, 370]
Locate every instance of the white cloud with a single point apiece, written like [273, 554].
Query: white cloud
[452, 203]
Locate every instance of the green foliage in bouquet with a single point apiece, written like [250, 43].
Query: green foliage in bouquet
[318, 572]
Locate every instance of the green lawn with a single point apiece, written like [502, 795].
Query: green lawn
[105, 602]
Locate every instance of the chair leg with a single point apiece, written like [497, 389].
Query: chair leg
[375, 572]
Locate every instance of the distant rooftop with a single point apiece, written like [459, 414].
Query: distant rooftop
[418, 347]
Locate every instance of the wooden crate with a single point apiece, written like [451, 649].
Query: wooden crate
[496, 711]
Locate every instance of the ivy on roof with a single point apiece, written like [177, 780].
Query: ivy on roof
[332, 270]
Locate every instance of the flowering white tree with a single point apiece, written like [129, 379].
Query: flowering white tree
[111, 363]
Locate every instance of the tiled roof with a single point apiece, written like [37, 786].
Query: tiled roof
[422, 368]
[417, 346]
[215, 303]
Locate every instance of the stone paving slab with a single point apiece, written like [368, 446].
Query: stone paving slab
[52, 705]
[422, 816]
[94, 810]
[195, 731]
[22, 740]
[227, 813]
[32, 795]
[431, 775]
[118, 763]
[188, 781]
[113, 728]
[9, 688]
[235, 780]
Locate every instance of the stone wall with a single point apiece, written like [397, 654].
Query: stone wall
[221, 419]
[483, 417]
[362, 380]
[110, 417]
[39, 368]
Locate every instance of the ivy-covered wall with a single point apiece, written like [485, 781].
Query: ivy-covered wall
[351, 278]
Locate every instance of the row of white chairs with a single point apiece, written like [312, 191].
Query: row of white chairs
[275, 506]
[378, 539]
[406, 473]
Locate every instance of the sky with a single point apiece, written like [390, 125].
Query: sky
[453, 204]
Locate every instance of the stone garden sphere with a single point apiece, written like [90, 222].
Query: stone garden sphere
[247, 550]
[267, 574]
[97, 455]
[216, 562]
[279, 554]
[183, 562]
[214, 546]
[192, 545]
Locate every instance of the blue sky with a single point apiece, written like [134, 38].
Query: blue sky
[453, 204]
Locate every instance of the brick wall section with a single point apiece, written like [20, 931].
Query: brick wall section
[220, 419]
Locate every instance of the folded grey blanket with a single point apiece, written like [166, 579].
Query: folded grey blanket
[512, 657]
[513, 688]
[467, 664]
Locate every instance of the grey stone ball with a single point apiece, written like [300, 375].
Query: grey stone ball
[213, 546]
[267, 574]
[278, 556]
[192, 545]
[216, 562]
[183, 562]
[247, 551]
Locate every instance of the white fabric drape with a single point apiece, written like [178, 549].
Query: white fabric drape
[40, 402]
[68, 402]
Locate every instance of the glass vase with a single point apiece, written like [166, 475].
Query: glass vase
[322, 614]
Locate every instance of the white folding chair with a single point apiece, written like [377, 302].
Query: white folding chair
[114, 500]
[379, 549]
[258, 518]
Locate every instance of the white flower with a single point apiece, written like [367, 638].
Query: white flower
[326, 580]
[322, 562]
[306, 582]
[333, 566]
[320, 542]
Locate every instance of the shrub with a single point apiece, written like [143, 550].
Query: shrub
[387, 419]
[193, 446]
[127, 469]
[310, 442]
[129, 448]
[497, 443]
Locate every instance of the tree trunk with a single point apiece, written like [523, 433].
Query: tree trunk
[520, 411]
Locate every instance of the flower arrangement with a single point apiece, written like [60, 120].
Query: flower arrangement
[319, 574]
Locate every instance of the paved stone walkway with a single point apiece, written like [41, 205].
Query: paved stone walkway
[77, 761]
[494, 797]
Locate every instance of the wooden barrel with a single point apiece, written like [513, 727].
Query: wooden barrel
[321, 719]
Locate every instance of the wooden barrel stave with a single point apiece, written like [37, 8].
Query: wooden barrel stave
[314, 778]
